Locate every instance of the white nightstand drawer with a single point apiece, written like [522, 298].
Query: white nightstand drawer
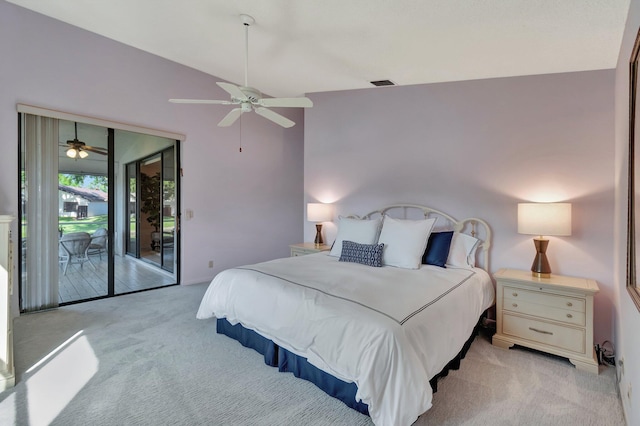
[298, 252]
[547, 299]
[562, 315]
[568, 338]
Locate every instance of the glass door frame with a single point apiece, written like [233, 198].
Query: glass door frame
[111, 126]
[171, 154]
[111, 211]
[136, 196]
[176, 231]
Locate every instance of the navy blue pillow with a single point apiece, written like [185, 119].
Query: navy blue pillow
[437, 250]
[366, 254]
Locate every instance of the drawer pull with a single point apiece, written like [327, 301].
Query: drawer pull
[540, 331]
[569, 316]
[515, 305]
[569, 304]
[515, 294]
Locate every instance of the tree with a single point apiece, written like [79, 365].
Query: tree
[70, 180]
[84, 181]
[98, 182]
[169, 188]
[150, 198]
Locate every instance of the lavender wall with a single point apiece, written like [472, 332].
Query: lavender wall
[627, 318]
[477, 148]
[247, 206]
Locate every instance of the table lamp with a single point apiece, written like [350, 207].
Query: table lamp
[552, 219]
[319, 212]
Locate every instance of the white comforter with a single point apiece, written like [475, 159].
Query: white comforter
[387, 329]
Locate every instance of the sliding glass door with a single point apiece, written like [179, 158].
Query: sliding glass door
[99, 212]
[168, 208]
[132, 210]
[152, 215]
[83, 212]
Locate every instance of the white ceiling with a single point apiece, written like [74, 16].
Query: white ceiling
[307, 46]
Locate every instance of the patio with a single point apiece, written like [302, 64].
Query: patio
[130, 275]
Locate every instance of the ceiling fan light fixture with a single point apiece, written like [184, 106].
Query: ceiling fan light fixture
[71, 153]
[75, 148]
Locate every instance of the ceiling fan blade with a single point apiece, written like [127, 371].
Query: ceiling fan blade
[286, 102]
[230, 118]
[275, 117]
[101, 151]
[233, 90]
[199, 101]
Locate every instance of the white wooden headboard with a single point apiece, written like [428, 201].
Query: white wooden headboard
[475, 227]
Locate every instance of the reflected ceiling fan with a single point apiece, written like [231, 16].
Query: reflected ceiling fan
[247, 98]
[77, 148]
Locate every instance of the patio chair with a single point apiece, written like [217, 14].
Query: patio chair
[98, 243]
[73, 248]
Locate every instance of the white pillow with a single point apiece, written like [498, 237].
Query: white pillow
[404, 241]
[357, 230]
[463, 250]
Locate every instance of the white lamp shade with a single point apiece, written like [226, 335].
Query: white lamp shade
[544, 219]
[319, 212]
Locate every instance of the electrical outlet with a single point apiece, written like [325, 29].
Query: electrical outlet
[211, 264]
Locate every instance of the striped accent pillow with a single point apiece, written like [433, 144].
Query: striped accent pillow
[366, 254]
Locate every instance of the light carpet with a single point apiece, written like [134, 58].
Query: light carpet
[143, 359]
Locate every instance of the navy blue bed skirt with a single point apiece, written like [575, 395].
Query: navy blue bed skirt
[250, 339]
[286, 361]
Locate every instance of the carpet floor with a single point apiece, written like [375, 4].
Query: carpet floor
[143, 359]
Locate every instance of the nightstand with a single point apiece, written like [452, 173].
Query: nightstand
[307, 248]
[553, 315]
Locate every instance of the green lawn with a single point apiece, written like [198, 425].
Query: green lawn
[90, 224]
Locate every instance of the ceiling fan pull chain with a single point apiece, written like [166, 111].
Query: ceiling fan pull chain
[240, 133]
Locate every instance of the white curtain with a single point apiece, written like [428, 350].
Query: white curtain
[40, 233]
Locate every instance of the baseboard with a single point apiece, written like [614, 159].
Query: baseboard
[6, 381]
[197, 281]
[623, 402]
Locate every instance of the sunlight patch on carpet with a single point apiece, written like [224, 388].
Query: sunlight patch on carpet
[56, 379]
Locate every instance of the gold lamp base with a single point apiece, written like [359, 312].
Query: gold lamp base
[540, 267]
[318, 241]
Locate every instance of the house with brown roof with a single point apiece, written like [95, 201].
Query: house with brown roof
[81, 202]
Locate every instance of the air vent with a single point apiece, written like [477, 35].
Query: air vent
[383, 83]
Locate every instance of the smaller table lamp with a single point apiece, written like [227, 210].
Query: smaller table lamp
[319, 212]
[543, 219]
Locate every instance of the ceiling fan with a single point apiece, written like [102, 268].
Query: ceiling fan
[247, 98]
[77, 148]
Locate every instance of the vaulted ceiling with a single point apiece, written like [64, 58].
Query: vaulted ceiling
[306, 46]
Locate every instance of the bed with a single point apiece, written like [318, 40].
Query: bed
[364, 322]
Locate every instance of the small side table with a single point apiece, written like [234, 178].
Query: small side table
[553, 315]
[307, 248]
